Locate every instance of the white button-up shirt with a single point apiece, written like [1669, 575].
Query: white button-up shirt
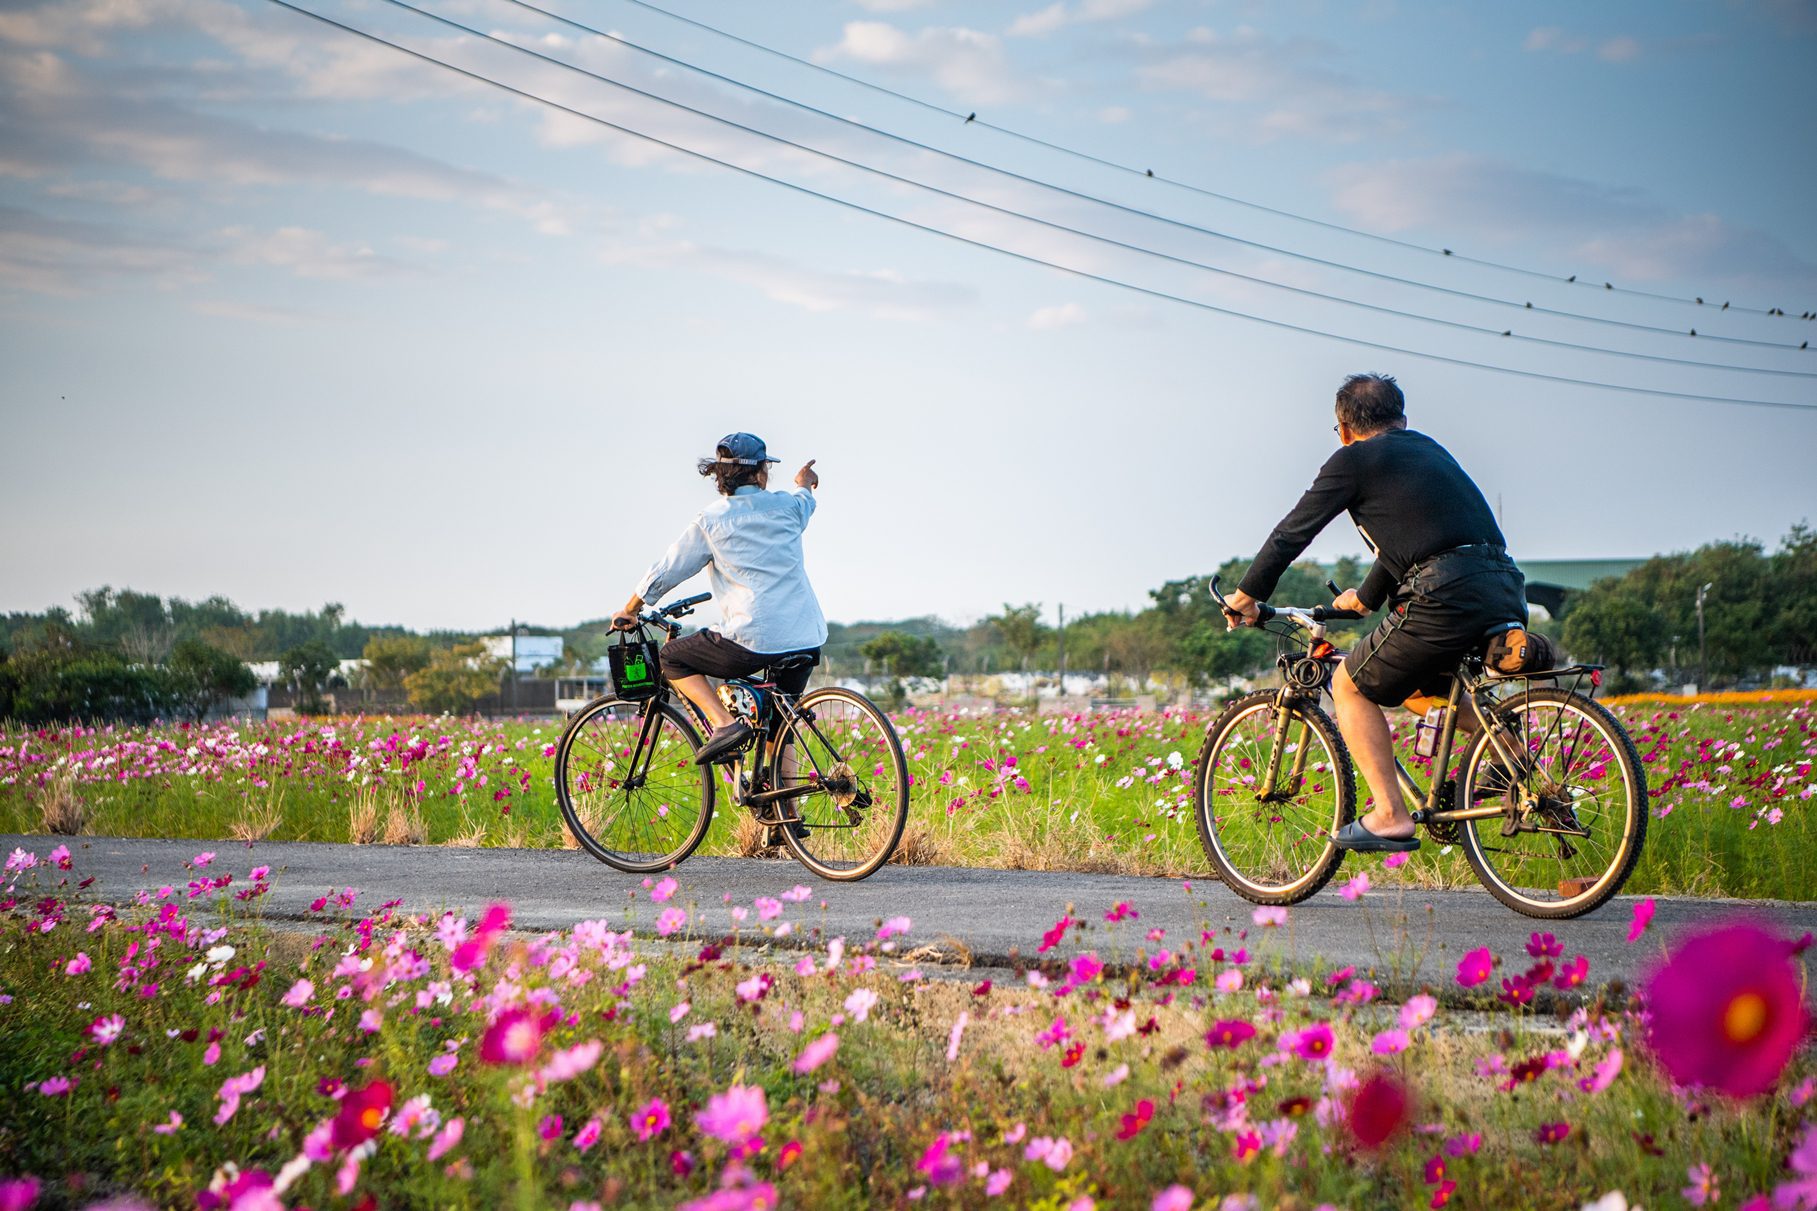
[750, 545]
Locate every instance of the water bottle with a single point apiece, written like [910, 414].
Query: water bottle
[1425, 732]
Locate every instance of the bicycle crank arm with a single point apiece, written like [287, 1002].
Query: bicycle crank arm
[783, 793]
[1457, 814]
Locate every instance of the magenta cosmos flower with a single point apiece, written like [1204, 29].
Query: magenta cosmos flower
[514, 1038]
[1727, 1010]
[735, 1116]
[1379, 1108]
[362, 1115]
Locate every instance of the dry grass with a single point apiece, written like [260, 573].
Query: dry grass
[363, 816]
[404, 823]
[259, 819]
[473, 838]
[922, 846]
[61, 809]
[748, 837]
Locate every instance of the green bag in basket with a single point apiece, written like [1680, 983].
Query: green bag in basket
[636, 667]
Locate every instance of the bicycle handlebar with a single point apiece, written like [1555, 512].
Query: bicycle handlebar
[1266, 612]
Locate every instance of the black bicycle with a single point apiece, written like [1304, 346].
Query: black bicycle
[1547, 797]
[824, 775]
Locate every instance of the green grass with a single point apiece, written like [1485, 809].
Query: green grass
[1102, 792]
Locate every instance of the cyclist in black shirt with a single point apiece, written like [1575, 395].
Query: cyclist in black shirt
[1440, 565]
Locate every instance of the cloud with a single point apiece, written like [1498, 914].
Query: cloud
[256, 313]
[57, 256]
[1619, 232]
[1060, 14]
[306, 253]
[1066, 315]
[883, 293]
[892, 6]
[1286, 79]
[967, 63]
[1551, 39]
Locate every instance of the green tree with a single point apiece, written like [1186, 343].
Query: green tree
[307, 668]
[390, 659]
[455, 679]
[1021, 630]
[205, 676]
[899, 656]
[1615, 627]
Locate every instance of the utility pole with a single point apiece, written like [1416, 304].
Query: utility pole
[1062, 693]
[513, 666]
[1703, 676]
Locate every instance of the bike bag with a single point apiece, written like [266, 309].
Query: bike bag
[635, 665]
[1520, 651]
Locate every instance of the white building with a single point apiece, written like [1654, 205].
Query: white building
[533, 651]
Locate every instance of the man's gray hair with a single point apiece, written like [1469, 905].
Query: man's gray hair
[1369, 403]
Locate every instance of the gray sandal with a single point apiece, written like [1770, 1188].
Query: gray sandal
[1354, 837]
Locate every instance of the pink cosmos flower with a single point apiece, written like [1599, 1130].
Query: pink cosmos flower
[106, 1030]
[939, 1164]
[1604, 1073]
[1174, 1198]
[362, 1115]
[588, 1135]
[664, 889]
[670, 921]
[1393, 861]
[78, 965]
[1643, 917]
[998, 1182]
[447, 1138]
[1702, 1189]
[892, 927]
[1356, 888]
[203, 858]
[472, 953]
[1727, 1010]
[18, 1194]
[55, 1086]
[233, 1089]
[1552, 1133]
[1268, 915]
[1230, 1033]
[1379, 1107]
[860, 1003]
[299, 994]
[442, 1065]
[735, 1116]
[60, 856]
[1313, 1043]
[1418, 1011]
[1475, 967]
[651, 1121]
[1391, 1042]
[767, 909]
[1801, 1191]
[514, 1037]
[817, 1053]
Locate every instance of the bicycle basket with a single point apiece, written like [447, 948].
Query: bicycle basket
[636, 667]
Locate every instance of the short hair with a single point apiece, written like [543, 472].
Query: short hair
[728, 476]
[1369, 403]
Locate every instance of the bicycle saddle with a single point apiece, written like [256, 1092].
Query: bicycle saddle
[800, 660]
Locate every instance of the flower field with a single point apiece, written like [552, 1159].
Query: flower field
[1111, 791]
[174, 1052]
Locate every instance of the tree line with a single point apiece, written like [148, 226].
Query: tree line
[128, 655]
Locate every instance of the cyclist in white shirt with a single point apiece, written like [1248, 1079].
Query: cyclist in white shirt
[749, 542]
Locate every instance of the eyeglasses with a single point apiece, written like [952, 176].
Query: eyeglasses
[1337, 428]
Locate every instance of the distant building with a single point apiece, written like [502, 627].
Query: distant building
[1549, 580]
[533, 651]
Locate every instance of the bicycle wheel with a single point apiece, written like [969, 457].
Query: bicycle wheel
[1276, 850]
[627, 784]
[846, 749]
[1577, 814]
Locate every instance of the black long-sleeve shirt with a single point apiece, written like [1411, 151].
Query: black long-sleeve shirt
[1408, 498]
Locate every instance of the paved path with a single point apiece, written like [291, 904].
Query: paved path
[1404, 938]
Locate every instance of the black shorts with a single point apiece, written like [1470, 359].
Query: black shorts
[713, 655]
[1442, 612]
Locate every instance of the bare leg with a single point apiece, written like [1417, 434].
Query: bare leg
[697, 690]
[1365, 729]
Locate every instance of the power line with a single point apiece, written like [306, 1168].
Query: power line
[1026, 257]
[1456, 325]
[972, 119]
[1183, 224]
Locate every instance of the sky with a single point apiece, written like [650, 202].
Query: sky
[292, 316]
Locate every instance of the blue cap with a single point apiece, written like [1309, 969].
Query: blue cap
[745, 449]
